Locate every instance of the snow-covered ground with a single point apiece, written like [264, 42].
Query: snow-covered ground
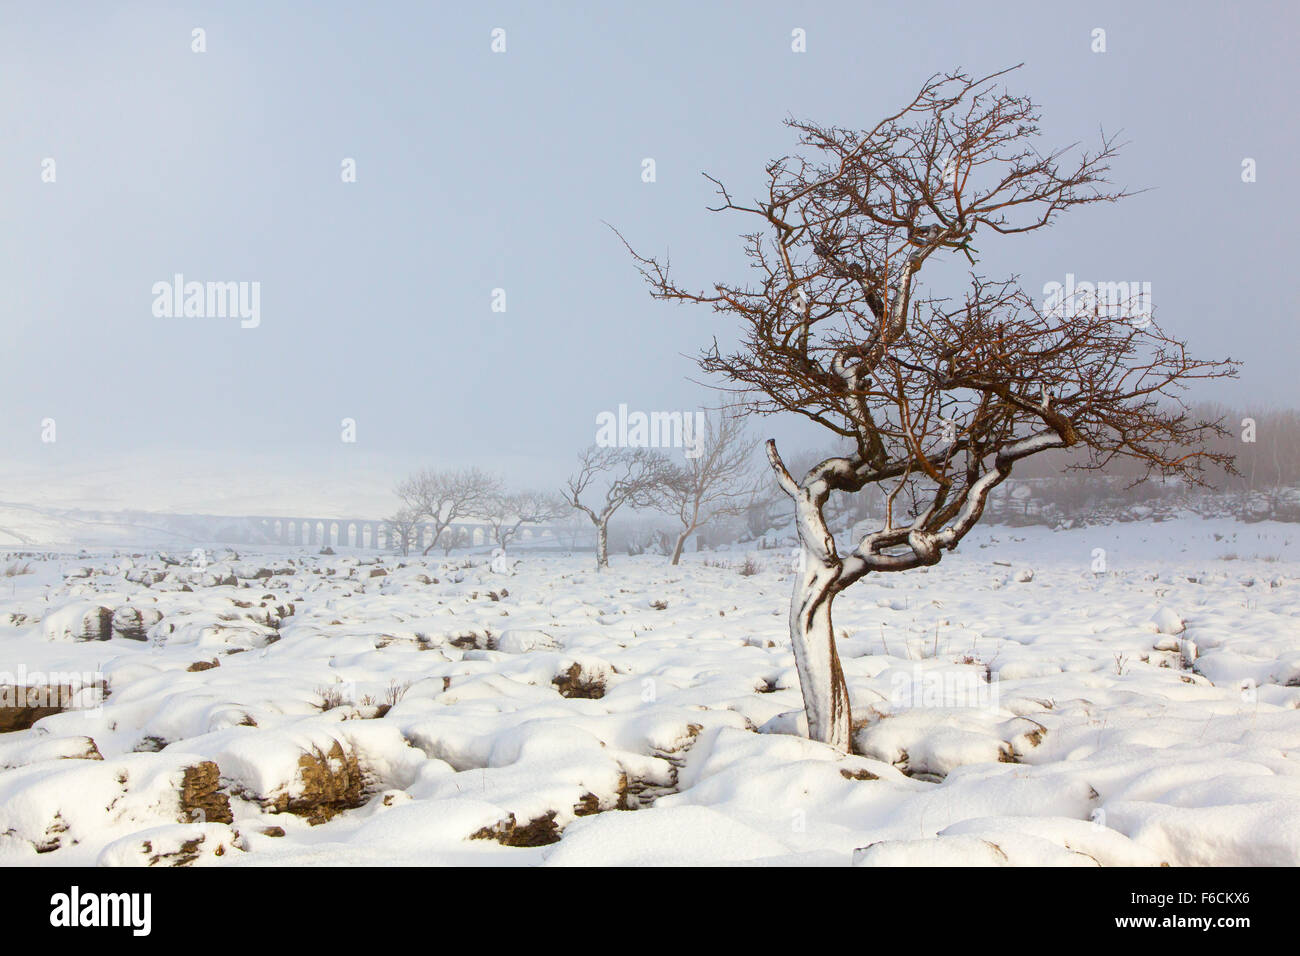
[1117, 695]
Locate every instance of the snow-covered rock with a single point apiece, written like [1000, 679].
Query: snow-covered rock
[1167, 621]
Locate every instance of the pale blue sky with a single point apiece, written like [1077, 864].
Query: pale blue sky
[479, 170]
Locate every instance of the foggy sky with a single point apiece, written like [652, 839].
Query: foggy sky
[478, 170]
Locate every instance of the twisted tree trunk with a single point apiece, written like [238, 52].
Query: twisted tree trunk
[602, 545]
[812, 634]
[680, 545]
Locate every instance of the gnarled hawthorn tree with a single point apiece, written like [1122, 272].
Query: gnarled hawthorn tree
[938, 395]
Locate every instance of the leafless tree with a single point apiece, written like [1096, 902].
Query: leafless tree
[507, 512]
[443, 497]
[938, 396]
[719, 482]
[632, 476]
[403, 530]
[453, 537]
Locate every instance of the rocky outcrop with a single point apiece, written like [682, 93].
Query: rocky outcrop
[202, 799]
[331, 783]
[577, 681]
[133, 623]
[20, 706]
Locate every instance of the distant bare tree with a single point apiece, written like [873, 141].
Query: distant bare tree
[719, 482]
[453, 537]
[443, 497]
[507, 512]
[938, 397]
[403, 530]
[632, 476]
